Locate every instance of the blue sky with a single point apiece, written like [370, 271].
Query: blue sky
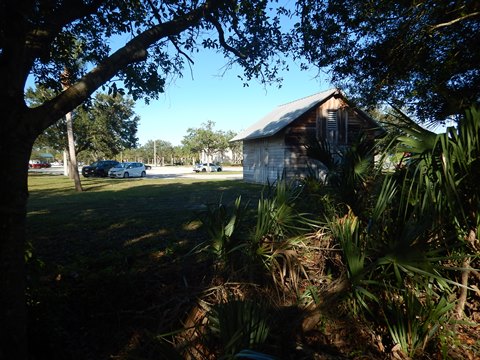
[208, 93]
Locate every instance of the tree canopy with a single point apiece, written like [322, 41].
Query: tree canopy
[104, 126]
[420, 55]
[111, 125]
[81, 35]
[206, 139]
[159, 148]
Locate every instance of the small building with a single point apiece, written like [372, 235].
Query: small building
[275, 146]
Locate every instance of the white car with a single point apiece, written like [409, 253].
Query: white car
[127, 169]
[207, 167]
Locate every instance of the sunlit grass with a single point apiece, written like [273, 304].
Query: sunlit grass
[110, 213]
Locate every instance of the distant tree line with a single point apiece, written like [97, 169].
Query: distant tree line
[106, 128]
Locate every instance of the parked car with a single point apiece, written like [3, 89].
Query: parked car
[98, 168]
[207, 167]
[38, 164]
[127, 169]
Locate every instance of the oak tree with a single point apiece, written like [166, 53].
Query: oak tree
[153, 39]
[205, 139]
[420, 55]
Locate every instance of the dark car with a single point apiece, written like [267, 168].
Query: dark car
[99, 168]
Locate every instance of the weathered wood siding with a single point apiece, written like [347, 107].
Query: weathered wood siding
[297, 135]
[263, 159]
[312, 125]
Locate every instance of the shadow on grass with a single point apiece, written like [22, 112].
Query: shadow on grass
[113, 263]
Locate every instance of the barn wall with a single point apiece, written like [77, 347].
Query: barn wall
[357, 126]
[297, 135]
[263, 159]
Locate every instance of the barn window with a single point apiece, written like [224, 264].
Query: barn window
[333, 127]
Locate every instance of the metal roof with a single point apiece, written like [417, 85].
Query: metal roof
[282, 116]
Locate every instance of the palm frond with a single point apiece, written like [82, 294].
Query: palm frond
[238, 325]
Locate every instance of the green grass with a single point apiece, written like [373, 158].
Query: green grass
[117, 214]
[110, 262]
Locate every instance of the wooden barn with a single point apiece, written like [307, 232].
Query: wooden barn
[274, 147]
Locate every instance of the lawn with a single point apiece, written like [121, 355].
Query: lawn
[111, 265]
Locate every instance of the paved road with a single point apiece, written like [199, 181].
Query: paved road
[187, 172]
[168, 172]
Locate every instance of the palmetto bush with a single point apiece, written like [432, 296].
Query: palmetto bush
[414, 318]
[222, 224]
[278, 237]
[271, 247]
[347, 231]
[238, 325]
[270, 251]
[349, 169]
[405, 260]
[394, 277]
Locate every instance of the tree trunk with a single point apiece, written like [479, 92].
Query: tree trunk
[462, 298]
[72, 153]
[13, 210]
[65, 80]
[66, 163]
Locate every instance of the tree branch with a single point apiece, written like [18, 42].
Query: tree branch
[173, 41]
[221, 38]
[40, 37]
[134, 51]
[449, 23]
